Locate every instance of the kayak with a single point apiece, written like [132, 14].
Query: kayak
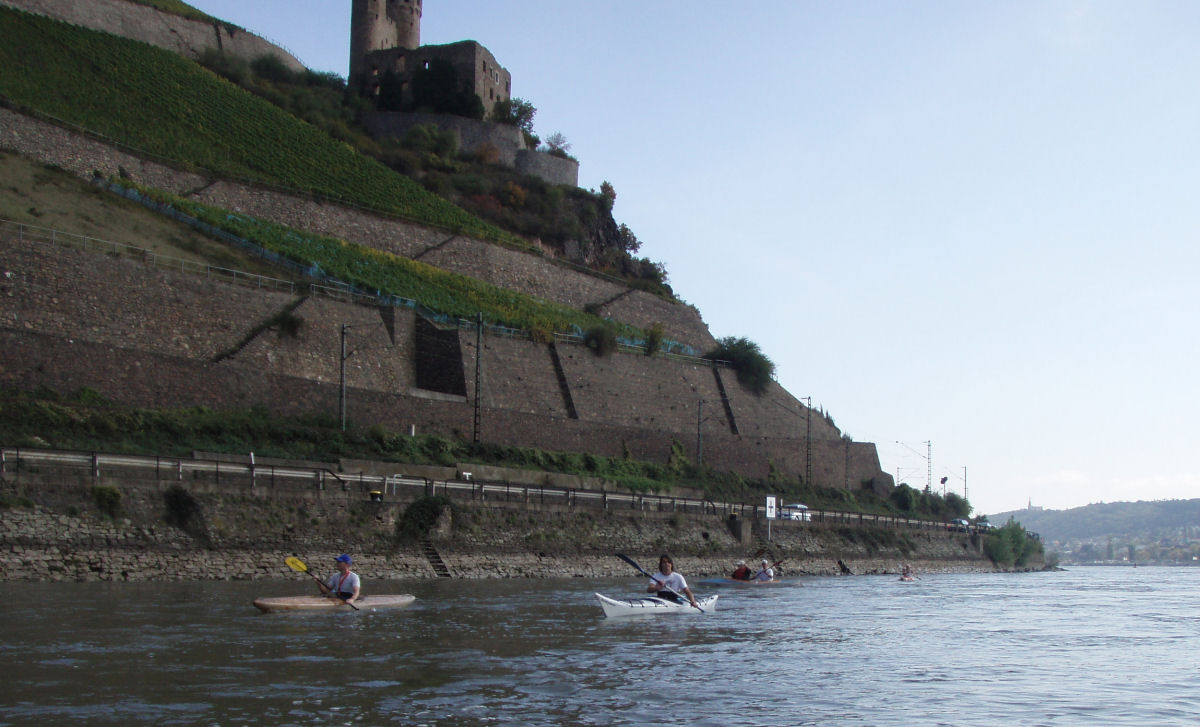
[736, 582]
[323, 603]
[907, 579]
[614, 607]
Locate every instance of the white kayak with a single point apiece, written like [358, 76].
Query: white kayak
[324, 603]
[614, 607]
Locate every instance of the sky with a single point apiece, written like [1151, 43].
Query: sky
[967, 230]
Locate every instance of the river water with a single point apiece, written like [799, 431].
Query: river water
[1091, 646]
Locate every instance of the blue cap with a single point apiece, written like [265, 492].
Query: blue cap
[343, 558]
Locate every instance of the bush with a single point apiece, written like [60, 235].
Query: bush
[602, 339]
[185, 512]
[754, 370]
[421, 517]
[1011, 546]
[654, 339]
[904, 498]
[108, 499]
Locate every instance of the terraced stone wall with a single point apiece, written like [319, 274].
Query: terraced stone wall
[517, 270]
[171, 32]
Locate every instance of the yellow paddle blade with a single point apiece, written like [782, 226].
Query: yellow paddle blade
[296, 564]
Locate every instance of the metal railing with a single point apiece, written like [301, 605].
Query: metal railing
[17, 460]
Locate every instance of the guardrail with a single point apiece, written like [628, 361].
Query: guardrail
[14, 460]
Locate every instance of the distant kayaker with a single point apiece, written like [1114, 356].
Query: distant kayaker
[344, 582]
[742, 572]
[667, 584]
[766, 572]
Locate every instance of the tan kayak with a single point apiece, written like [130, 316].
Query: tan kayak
[323, 603]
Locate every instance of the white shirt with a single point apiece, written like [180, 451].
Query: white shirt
[765, 575]
[671, 582]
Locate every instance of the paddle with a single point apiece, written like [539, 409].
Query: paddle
[642, 570]
[764, 570]
[298, 565]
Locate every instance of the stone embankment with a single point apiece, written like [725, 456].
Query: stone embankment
[63, 529]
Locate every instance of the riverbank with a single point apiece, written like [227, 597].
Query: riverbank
[70, 529]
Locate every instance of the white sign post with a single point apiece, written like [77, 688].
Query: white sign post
[770, 514]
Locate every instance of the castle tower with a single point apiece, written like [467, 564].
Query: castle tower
[380, 25]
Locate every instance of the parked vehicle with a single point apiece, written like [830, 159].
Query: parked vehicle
[795, 511]
[959, 526]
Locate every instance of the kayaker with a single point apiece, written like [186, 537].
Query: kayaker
[344, 583]
[667, 584]
[742, 572]
[766, 573]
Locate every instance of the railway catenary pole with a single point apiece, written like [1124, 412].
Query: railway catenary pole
[475, 436]
[342, 388]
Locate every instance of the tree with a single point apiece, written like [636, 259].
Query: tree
[957, 506]
[515, 112]
[905, 498]
[558, 145]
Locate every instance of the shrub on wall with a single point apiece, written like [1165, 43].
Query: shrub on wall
[602, 339]
[108, 499]
[654, 339]
[184, 511]
[754, 369]
[421, 517]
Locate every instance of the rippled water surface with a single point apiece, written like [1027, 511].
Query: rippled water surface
[1092, 646]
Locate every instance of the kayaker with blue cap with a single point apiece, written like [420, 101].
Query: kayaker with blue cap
[344, 583]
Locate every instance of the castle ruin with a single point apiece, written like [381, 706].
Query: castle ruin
[385, 38]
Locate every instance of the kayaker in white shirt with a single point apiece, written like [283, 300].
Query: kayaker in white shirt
[766, 573]
[344, 583]
[667, 580]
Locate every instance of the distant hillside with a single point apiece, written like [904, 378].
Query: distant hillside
[1115, 519]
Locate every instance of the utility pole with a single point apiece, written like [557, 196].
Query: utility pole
[808, 442]
[699, 436]
[929, 467]
[342, 392]
[476, 436]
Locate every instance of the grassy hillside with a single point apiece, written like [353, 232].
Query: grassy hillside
[157, 102]
[374, 271]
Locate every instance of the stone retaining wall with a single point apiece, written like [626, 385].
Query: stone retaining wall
[53, 529]
[168, 31]
[511, 269]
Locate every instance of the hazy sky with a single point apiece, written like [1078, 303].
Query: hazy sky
[966, 223]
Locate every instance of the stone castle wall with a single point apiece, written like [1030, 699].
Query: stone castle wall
[171, 32]
[475, 135]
